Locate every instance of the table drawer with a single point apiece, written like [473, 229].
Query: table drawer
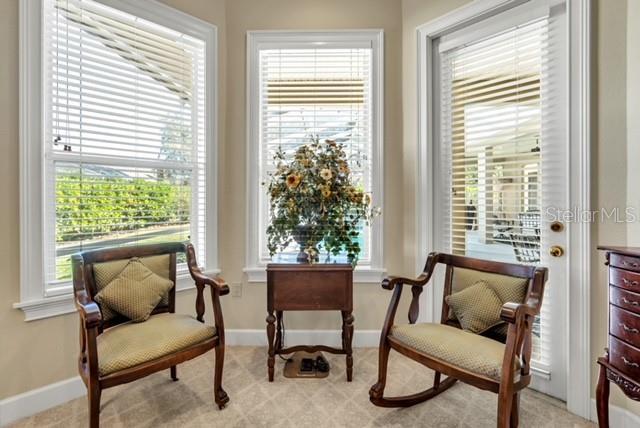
[624, 299]
[624, 279]
[624, 325]
[309, 291]
[624, 357]
[624, 262]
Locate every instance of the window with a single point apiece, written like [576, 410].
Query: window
[126, 147]
[304, 85]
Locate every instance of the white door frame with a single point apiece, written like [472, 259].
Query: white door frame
[578, 314]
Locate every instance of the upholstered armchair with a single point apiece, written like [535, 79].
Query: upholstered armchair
[115, 349]
[496, 302]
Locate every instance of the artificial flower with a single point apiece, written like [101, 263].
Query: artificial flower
[326, 174]
[293, 181]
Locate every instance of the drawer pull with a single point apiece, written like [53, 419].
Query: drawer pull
[631, 283]
[630, 363]
[632, 264]
[630, 302]
[629, 329]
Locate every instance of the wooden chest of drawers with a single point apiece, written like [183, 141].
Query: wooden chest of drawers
[621, 361]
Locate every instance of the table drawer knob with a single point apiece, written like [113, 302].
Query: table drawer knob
[631, 283]
[629, 329]
[630, 363]
[632, 264]
[630, 302]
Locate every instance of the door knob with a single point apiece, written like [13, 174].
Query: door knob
[556, 251]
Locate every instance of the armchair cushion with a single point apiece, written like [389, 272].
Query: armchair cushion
[508, 288]
[477, 308]
[130, 344]
[469, 351]
[105, 272]
[135, 292]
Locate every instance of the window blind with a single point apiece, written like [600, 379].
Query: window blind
[124, 132]
[319, 92]
[493, 106]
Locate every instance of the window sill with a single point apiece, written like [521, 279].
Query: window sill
[53, 306]
[362, 275]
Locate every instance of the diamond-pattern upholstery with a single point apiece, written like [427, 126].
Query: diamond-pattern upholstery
[477, 308]
[104, 273]
[134, 292]
[463, 349]
[130, 344]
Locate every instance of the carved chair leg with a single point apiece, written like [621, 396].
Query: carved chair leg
[93, 395]
[505, 400]
[377, 391]
[174, 373]
[220, 396]
[515, 410]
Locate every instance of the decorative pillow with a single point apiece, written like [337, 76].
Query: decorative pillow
[477, 307]
[135, 292]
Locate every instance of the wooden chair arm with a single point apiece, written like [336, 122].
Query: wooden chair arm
[88, 309]
[215, 282]
[217, 286]
[514, 312]
[200, 277]
[390, 282]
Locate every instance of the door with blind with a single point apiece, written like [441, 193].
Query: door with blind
[502, 148]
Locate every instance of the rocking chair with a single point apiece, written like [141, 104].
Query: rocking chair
[497, 360]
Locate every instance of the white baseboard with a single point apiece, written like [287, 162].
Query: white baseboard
[361, 338]
[618, 417]
[34, 401]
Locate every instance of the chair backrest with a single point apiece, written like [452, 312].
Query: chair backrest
[100, 267]
[512, 283]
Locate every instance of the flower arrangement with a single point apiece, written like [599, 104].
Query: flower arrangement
[315, 202]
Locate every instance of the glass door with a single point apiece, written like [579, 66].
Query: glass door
[502, 150]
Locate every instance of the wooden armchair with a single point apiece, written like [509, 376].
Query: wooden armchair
[114, 351]
[498, 360]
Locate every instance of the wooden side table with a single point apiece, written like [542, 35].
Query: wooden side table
[305, 287]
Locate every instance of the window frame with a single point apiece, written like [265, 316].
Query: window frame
[255, 267]
[35, 300]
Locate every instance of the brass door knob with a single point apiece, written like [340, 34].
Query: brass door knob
[556, 251]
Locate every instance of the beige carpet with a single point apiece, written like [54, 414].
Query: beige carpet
[331, 402]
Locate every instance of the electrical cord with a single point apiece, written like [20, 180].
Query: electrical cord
[282, 341]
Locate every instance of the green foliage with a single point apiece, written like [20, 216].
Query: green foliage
[94, 206]
[313, 195]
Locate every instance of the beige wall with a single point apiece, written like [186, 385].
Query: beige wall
[244, 15]
[633, 118]
[633, 131]
[41, 352]
[608, 159]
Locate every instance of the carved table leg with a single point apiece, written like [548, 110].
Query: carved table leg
[602, 398]
[271, 330]
[347, 333]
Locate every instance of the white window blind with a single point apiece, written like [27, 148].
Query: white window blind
[124, 133]
[493, 105]
[322, 92]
